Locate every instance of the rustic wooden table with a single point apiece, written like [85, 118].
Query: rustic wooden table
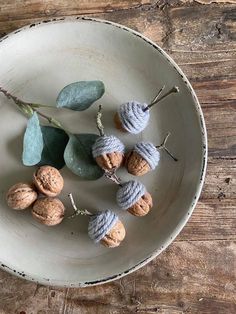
[197, 273]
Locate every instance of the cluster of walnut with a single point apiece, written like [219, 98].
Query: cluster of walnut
[40, 195]
[46, 208]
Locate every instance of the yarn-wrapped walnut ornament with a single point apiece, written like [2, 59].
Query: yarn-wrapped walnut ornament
[145, 157]
[133, 116]
[132, 196]
[108, 150]
[104, 227]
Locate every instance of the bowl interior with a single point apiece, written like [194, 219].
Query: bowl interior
[35, 64]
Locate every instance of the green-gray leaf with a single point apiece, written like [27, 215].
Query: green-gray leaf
[33, 142]
[55, 141]
[78, 156]
[80, 95]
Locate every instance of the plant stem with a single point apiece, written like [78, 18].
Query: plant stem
[100, 126]
[14, 98]
[77, 211]
[163, 146]
[110, 174]
[158, 94]
[174, 89]
[28, 108]
[40, 106]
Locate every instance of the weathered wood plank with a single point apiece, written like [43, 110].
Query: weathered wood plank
[216, 93]
[215, 1]
[135, 18]
[196, 274]
[220, 178]
[215, 215]
[218, 100]
[202, 39]
[221, 130]
[181, 280]
[211, 220]
[23, 9]
[202, 27]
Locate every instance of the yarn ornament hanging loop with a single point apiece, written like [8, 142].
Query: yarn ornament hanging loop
[133, 116]
[104, 227]
[111, 175]
[108, 150]
[145, 157]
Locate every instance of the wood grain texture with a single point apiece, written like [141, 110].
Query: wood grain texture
[46, 8]
[215, 1]
[181, 280]
[197, 273]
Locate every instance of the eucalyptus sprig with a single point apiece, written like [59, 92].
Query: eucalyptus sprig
[53, 144]
[29, 108]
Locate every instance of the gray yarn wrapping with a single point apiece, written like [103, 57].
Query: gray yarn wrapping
[129, 193]
[100, 224]
[149, 152]
[132, 116]
[107, 144]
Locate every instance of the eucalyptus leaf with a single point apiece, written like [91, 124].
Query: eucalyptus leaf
[55, 141]
[80, 95]
[33, 142]
[78, 156]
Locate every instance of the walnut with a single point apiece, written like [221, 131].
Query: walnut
[48, 211]
[142, 206]
[115, 236]
[21, 196]
[110, 160]
[48, 181]
[136, 164]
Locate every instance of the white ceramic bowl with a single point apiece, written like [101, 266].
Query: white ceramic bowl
[36, 62]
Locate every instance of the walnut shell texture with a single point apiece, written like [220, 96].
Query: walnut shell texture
[115, 236]
[110, 160]
[48, 181]
[118, 123]
[142, 206]
[136, 165]
[21, 196]
[48, 211]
